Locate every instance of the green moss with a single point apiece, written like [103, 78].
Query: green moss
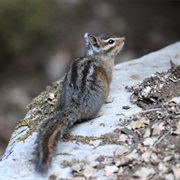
[40, 108]
[32, 125]
[39, 100]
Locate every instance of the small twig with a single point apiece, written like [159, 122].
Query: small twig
[162, 137]
[135, 138]
[151, 110]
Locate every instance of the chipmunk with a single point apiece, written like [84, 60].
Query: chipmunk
[85, 89]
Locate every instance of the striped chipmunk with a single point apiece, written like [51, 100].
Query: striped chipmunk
[85, 89]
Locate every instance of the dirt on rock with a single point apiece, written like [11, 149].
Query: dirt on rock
[158, 126]
[158, 89]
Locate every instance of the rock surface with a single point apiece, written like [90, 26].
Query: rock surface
[95, 148]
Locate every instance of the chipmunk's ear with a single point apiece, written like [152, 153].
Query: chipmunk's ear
[91, 39]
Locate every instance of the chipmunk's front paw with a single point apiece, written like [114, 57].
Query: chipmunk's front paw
[100, 113]
[109, 100]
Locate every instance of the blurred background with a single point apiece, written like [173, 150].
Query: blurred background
[39, 38]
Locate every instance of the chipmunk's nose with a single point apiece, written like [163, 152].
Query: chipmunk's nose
[123, 38]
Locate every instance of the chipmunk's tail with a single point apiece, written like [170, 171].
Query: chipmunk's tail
[49, 132]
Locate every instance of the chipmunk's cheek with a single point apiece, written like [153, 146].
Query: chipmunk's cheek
[96, 49]
[121, 46]
[123, 43]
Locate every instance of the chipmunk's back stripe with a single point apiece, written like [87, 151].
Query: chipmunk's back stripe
[74, 72]
[84, 78]
[81, 73]
[89, 77]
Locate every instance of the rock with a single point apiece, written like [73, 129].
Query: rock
[133, 155]
[110, 170]
[146, 156]
[169, 176]
[176, 171]
[162, 168]
[123, 138]
[177, 131]
[121, 161]
[121, 150]
[88, 171]
[157, 128]
[149, 141]
[154, 158]
[95, 138]
[176, 100]
[144, 173]
[147, 133]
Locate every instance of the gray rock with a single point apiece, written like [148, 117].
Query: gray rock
[17, 161]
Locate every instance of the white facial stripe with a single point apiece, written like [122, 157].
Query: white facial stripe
[107, 47]
[106, 40]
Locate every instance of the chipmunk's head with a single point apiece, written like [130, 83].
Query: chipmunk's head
[103, 46]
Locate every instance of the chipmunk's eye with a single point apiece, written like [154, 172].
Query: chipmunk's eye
[110, 41]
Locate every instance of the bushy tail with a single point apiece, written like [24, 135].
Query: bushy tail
[49, 132]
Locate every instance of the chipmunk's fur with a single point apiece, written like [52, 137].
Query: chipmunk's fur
[85, 88]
